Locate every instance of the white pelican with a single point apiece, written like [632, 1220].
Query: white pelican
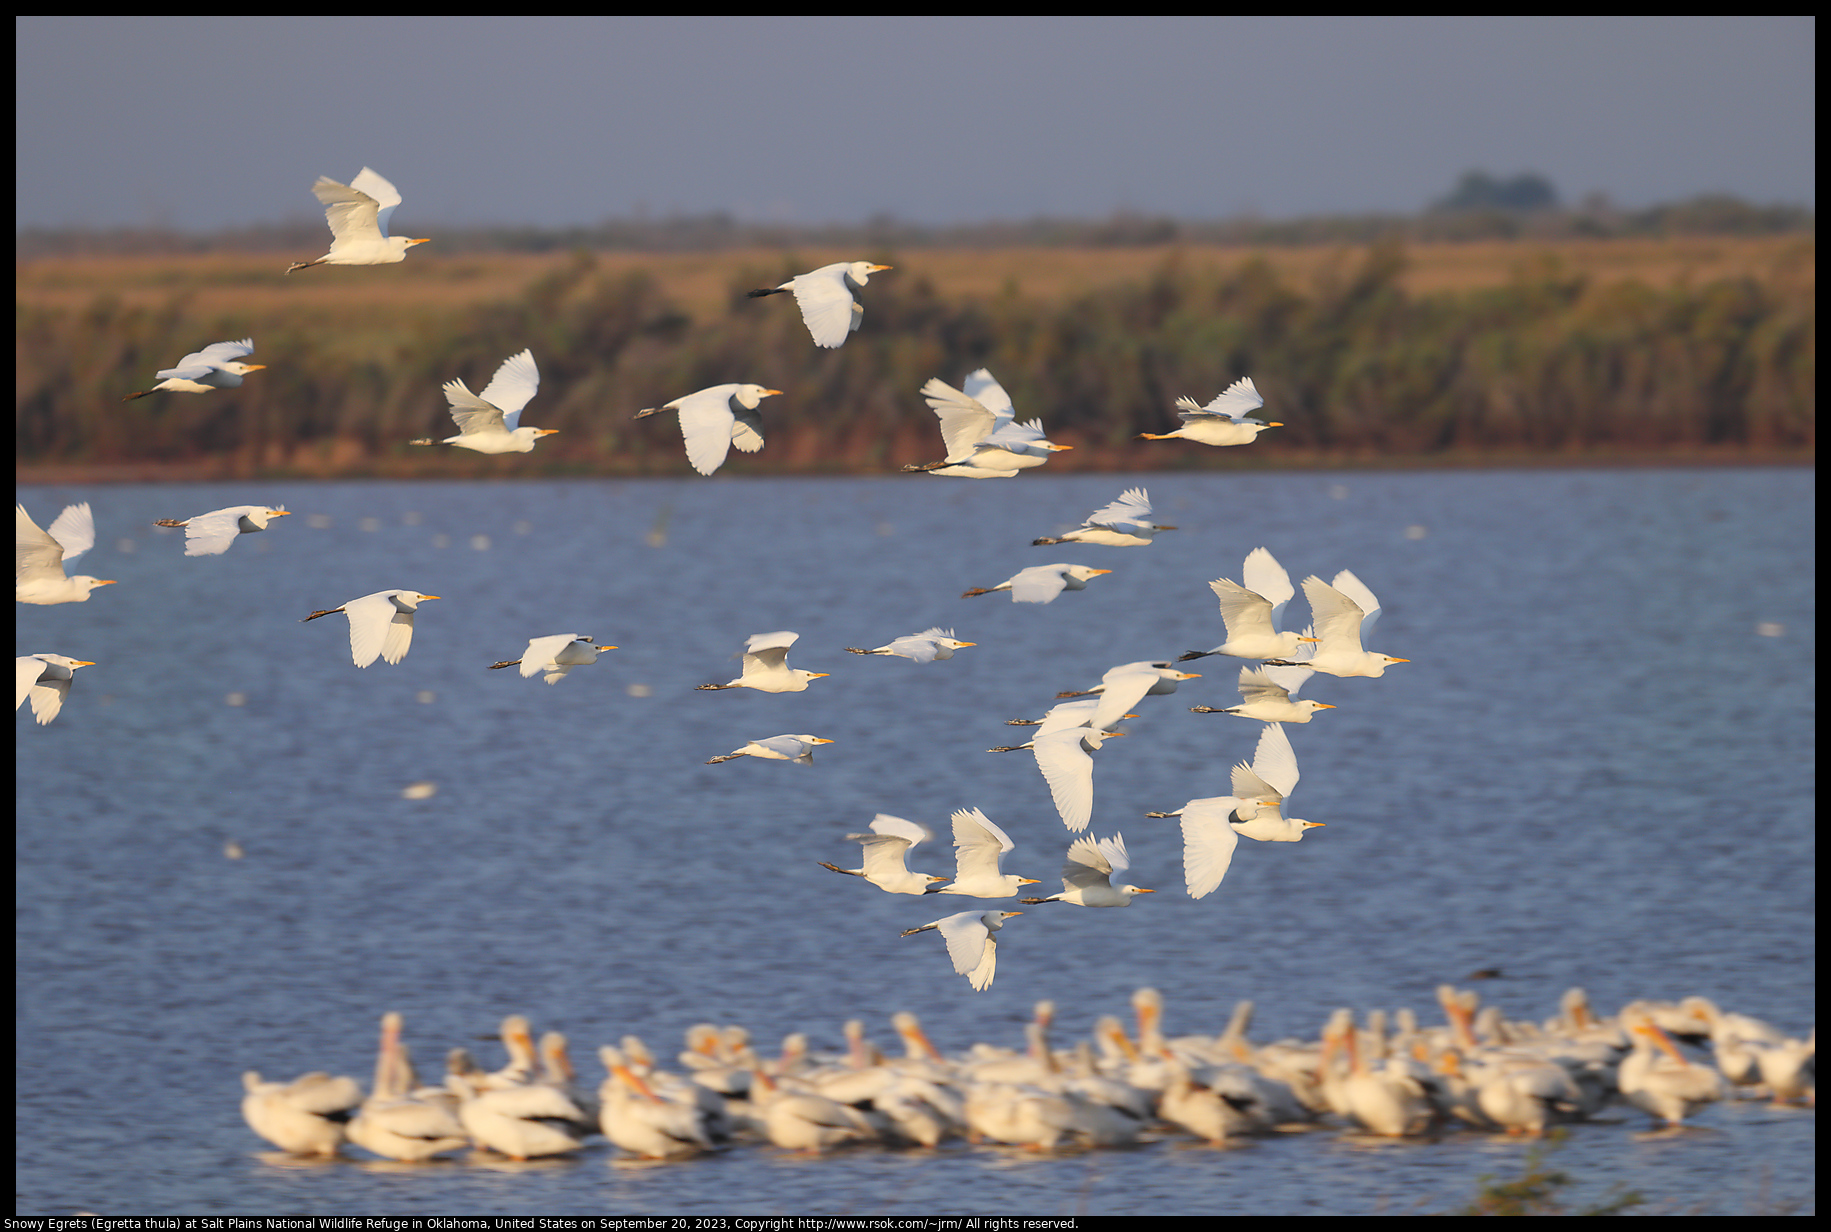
[972, 943]
[1126, 523]
[358, 214]
[796, 748]
[393, 1122]
[638, 1120]
[979, 847]
[766, 666]
[887, 849]
[1065, 758]
[217, 366]
[522, 1122]
[490, 422]
[210, 534]
[39, 557]
[984, 440]
[1251, 612]
[1267, 690]
[710, 425]
[1087, 877]
[1041, 583]
[930, 644]
[381, 624]
[1222, 422]
[1126, 685]
[1388, 1101]
[1523, 1094]
[1344, 613]
[803, 1121]
[45, 678]
[1789, 1068]
[1197, 1109]
[555, 655]
[302, 1117]
[1662, 1083]
[825, 296]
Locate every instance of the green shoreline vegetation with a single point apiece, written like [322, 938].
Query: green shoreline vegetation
[1547, 360]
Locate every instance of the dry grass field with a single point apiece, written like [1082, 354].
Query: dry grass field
[703, 283]
[1436, 353]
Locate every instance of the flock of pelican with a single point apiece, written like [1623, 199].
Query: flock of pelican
[1388, 1076]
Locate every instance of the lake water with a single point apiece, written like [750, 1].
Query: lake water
[1596, 770]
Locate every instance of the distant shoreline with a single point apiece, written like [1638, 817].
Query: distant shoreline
[225, 470]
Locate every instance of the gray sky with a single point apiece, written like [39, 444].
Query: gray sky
[200, 123]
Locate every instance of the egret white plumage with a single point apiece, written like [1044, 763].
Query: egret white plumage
[1065, 758]
[1212, 827]
[796, 748]
[1268, 692]
[39, 557]
[1041, 583]
[45, 678]
[887, 849]
[979, 849]
[826, 298]
[930, 644]
[358, 214]
[490, 422]
[710, 424]
[1263, 786]
[1344, 614]
[381, 624]
[217, 366]
[1087, 877]
[984, 439]
[1222, 422]
[972, 943]
[1061, 716]
[1126, 685]
[555, 655]
[766, 666]
[210, 534]
[1126, 523]
[1251, 612]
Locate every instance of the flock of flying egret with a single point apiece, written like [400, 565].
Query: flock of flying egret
[1218, 1088]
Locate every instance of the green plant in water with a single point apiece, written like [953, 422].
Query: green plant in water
[1538, 1188]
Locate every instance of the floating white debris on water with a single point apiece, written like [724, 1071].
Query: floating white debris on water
[1770, 628]
[425, 697]
[235, 699]
[1416, 532]
[233, 850]
[639, 690]
[419, 791]
[480, 543]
